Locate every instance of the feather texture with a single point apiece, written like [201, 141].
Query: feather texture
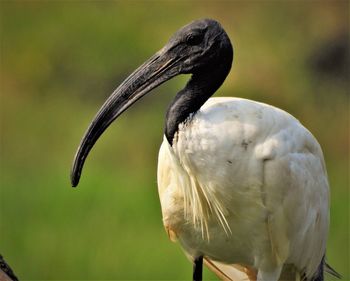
[245, 183]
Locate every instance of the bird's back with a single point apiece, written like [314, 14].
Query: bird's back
[245, 182]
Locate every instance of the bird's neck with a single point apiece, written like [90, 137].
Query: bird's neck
[197, 91]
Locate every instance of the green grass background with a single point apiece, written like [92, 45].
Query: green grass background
[61, 59]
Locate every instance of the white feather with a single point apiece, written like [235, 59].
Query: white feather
[245, 182]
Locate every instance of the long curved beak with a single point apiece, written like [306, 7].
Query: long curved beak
[155, 71]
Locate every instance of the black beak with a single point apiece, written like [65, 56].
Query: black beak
[158, 69]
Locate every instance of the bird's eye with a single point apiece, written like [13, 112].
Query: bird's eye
[194, 39]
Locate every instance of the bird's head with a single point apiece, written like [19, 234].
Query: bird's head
[197, 47]
[200, 44]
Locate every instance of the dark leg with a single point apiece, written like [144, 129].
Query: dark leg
[198, 269]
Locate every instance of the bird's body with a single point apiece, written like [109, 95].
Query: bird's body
[239, 181]
[220, 181]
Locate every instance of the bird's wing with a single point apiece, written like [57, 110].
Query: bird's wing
[295, 185]
[297, 198]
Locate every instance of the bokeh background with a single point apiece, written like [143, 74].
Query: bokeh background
[59, 62]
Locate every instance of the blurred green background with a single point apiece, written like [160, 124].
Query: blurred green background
[61, 59]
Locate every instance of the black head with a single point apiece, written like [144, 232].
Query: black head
[202, 44]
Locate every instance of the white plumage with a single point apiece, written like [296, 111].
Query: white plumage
[245, 182]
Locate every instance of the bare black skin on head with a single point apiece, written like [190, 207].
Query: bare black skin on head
[201, 48]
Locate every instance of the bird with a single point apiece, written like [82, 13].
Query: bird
[243, 185]
[6, 273]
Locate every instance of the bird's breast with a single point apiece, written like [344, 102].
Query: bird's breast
[207, 211]
[210, 182]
